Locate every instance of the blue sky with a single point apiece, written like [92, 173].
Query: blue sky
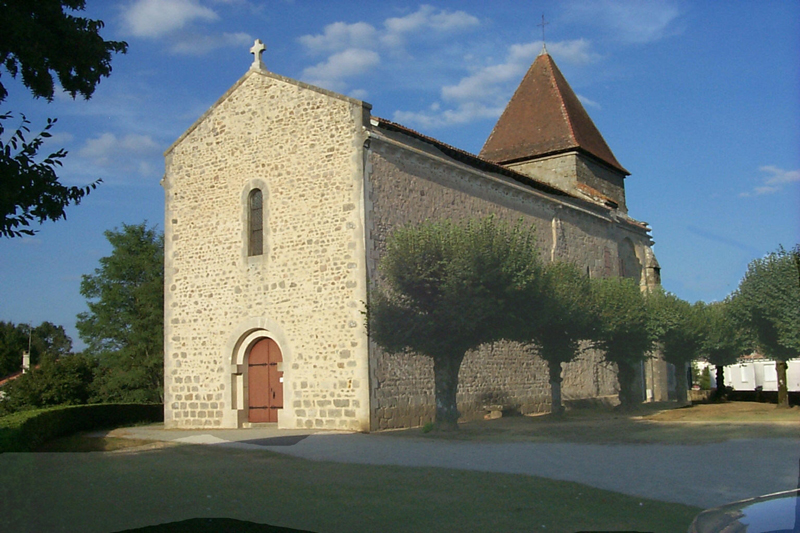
[700, 101]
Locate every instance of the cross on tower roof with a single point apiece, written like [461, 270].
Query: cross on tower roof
[543, 24]
[257, 49]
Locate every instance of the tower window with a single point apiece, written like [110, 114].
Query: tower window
[256, 223]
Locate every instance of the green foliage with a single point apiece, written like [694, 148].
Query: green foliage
[705, 379]
[722, 342]
[47, 341]
[767, 304]
[449, 288]
[767, 307]
[124, 328]
[63, 381]
[40, 39]
[31, 190]
[623, 330]
[679, 328]
[27, 430]
[556, 317]
[13, 341]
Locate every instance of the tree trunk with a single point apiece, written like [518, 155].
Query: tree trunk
[719, 393]
[783, 391]
[681, 384]
[556, 408]
[626, 375]
[445, 377]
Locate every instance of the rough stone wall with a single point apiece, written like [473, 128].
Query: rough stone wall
[408, 186]
[602, 179]
[566, 171]
[302, 147]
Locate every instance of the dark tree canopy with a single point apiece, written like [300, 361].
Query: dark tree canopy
[678, 326]
[622, 330]
[556, 320]
[447, 289]
[124, 327]
[30, 188]
[41, 41]
[767, 307]
[47, 342]
[40, 38]
[63, 381]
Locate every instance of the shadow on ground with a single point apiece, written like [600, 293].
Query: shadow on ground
[214, 525]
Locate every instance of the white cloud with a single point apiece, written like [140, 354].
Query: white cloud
[425, 19]
[774, 180]
[155, 18]
[350, 62]
[355, 48]
[463, 114]
[576, 52]
[109, 150]
[631, 22]
[200, 44]
[340, 36]
[588, 102]
[359, 94]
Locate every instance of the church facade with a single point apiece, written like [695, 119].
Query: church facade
[279, 200]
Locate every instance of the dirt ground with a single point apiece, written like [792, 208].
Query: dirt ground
[662, 423]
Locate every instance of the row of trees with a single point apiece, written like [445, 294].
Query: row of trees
[123, 332]
[448, 288]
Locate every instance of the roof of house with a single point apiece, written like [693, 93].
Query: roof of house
[545, 117]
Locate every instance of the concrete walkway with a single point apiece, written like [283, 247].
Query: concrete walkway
[701, 475]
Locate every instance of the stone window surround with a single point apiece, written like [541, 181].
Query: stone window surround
[248, 188]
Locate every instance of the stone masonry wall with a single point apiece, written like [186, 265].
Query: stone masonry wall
[567, 170]
[302, 147]
[407, 186]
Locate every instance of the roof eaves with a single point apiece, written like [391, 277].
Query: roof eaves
[471, 159]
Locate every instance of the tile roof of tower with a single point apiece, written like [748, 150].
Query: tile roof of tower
[545, 117]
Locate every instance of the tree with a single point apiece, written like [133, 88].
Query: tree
[622, 330]
[46, 341]
[557, 320]
[767, 306]
[678, 326]
[40, 39]
[13, 341]
[124, 328]
[447, 289]
[63, 381]
[722, 342]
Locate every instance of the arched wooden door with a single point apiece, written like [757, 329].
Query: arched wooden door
[264, 381]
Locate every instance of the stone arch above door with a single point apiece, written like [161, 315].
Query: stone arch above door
[236, 351]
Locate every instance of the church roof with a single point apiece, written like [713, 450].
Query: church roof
[545, 117]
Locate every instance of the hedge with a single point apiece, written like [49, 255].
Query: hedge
[27, 430]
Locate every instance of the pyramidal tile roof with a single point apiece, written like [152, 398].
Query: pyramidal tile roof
[545, 117]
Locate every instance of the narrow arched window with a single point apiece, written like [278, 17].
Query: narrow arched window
[256, 223]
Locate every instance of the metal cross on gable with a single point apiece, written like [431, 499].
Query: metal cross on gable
[257, 49]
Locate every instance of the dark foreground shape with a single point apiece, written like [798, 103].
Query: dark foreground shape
[214, 525]
[775, 513]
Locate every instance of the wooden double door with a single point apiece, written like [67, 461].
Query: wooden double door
[264, 381]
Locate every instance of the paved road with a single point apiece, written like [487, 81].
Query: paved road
[700, 475]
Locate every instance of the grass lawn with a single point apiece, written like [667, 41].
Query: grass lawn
[131, 489]
[157, 483]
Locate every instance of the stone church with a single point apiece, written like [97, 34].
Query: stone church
[279, 200]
